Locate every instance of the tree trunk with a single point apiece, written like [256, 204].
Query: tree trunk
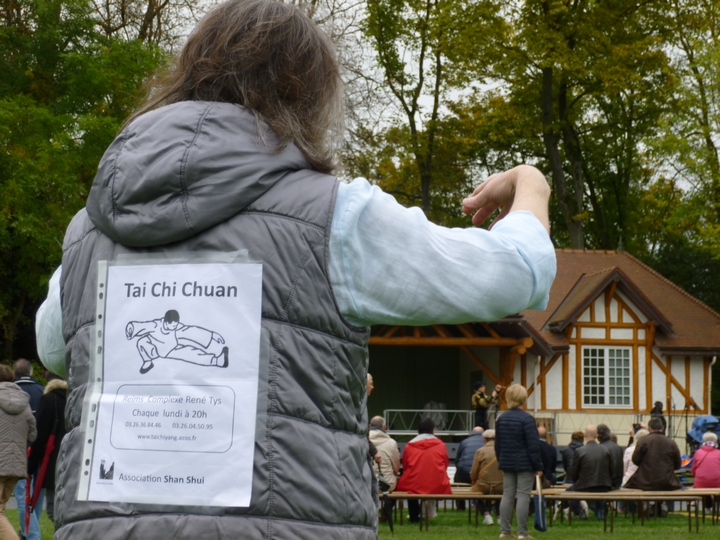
[10, 324]
[568, 200]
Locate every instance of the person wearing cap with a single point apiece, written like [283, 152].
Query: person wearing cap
[481, 401]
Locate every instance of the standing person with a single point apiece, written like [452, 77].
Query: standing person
[604, 437]
[486, 476]
[50, 421]
[425, 462]
[518, 451]
[481, 402]
[657, 412]
[464, 459]
[233, 151]
[17, 430]
[593, 469]
[23, 372]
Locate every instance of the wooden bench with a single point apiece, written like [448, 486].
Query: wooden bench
[692, 497]
[458, 494]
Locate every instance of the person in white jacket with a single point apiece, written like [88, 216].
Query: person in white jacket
[389, 466]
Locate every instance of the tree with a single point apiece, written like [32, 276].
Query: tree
[592, 77]
[65, 88]
[159, 22]
[688, 147]
[424, 49]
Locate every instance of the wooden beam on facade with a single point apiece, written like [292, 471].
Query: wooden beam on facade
[609, 295]
[687, 373]
[545, 369]
[671, 378]
[566, 382]
[706, 378]
[650, 340]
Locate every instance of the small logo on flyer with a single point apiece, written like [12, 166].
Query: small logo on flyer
[107, 473]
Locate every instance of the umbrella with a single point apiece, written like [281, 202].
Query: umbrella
[539, 499]
[42, 471]
[387, 504]
[31, 502]
[387, 510]
[28, 499]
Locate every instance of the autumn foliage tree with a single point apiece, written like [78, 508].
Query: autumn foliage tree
[65, 88]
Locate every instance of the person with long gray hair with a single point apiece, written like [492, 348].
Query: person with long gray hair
[231, 152]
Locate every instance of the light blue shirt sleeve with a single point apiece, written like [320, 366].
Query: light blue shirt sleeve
[389, 265]
[48, 328]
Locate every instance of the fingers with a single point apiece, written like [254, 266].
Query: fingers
[496, 192]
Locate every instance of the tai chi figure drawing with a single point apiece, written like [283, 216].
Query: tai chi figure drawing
[169, 338]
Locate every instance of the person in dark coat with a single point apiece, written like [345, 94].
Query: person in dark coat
[517, 446]
[576, 441]
[464, 458]
[23, 371]
[605, 439]
[50, 420]
[592, 469]
[657, 458]
[548, 453]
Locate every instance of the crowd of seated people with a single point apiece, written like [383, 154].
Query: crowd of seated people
[593, 462]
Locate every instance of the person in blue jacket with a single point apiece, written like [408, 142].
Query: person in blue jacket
[464, 458]
[517, 446]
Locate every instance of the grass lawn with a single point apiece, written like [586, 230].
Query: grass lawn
[453, 525]
[46, 526]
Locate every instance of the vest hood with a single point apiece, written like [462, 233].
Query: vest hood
[183, 168]
[13, 400]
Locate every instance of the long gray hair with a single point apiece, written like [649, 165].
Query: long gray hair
[270, 58]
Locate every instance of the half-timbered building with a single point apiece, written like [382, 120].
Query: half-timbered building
[616, 337]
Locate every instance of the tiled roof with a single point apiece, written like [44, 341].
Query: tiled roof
[684, 323]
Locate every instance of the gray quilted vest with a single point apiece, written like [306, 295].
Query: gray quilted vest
[194, 177]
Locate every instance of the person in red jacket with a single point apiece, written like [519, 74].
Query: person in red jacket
[425, 462]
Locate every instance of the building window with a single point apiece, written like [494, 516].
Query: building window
[606, 377]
